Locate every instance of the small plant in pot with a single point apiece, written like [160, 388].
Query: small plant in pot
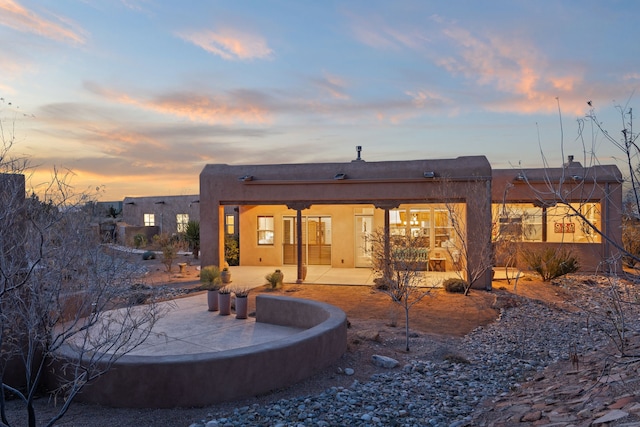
[225, 275]
[242, 302]
[275, 279]
[224, 301]
[210, 278]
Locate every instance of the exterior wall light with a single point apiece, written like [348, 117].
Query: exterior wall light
[519, 177]
[340, 176]
[576, 177]
[429, 174]
[246, 178]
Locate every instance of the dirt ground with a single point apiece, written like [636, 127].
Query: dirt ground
[376, 326]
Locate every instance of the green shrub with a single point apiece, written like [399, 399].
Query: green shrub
[139, 240]
[231, 250]
[455, 285]
[148, 255]
[550, 263]
[192, 236]
[275, 279]
[210, 278]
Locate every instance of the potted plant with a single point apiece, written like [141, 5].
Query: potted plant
[210, 278]
[224, 301]
[225, 275]
[242, 302]
[275, 279]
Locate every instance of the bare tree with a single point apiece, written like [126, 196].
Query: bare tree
[398, 262]
[58, 287]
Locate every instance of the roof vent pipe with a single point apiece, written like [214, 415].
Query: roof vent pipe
[358, 150]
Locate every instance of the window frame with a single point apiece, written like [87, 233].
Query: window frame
[149, 219]
[265, 224]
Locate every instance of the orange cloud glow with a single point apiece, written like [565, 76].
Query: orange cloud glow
[13, 15]
[195, 107]
[230, 44]
[512, 66]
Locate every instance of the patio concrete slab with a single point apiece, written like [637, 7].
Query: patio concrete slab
[188, 328]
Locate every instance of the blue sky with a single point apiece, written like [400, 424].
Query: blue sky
[136, 96]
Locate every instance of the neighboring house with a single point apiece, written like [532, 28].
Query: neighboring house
[323, 213]
[164, 214]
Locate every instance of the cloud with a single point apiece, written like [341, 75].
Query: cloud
[239, 106]
[15, 16]
[229, 44]
[333, 85]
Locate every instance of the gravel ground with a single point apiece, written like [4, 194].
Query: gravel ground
[451, 383]
[491, 361]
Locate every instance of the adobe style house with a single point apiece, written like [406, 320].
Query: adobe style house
[323, 213]
[164, 214]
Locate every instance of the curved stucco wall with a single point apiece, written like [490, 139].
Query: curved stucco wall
[207, 378]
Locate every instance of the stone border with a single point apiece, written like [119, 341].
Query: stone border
[203, 379]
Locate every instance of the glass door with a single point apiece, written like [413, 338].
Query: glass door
[364, 226]
[316, 240]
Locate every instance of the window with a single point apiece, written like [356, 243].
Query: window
[265, 230]
[181, 222]
[230, 224]
[149, 220]
[517, 222]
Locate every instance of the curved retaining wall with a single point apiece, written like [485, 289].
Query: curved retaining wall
[207, 378]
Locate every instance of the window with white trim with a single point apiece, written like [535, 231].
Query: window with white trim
[265, 230]
[149, 220]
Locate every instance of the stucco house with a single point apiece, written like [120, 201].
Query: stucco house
[153, 215]
[322, 213]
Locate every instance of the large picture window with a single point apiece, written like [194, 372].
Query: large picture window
[149, 220]
[524, 222]
[265, 230]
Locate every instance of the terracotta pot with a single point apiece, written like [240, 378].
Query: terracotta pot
[242, 305]
[224, 301]
[212, 300]
[225, 276]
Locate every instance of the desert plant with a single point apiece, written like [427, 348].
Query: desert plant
[275, 279]
[225, 290]
[630, 240]
[551, 263]
[241, 292]
[192, 236]
[169, 247]
[210, 278]
[139, 240]
[455, 285]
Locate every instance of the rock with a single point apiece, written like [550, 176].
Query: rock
[384, 361]
[614, 415]
[349, 371]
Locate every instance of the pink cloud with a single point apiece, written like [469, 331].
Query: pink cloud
[230, 44]
[15, 16]
[196, 107]
[513, 67]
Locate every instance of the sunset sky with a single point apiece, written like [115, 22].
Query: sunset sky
[136, 96]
